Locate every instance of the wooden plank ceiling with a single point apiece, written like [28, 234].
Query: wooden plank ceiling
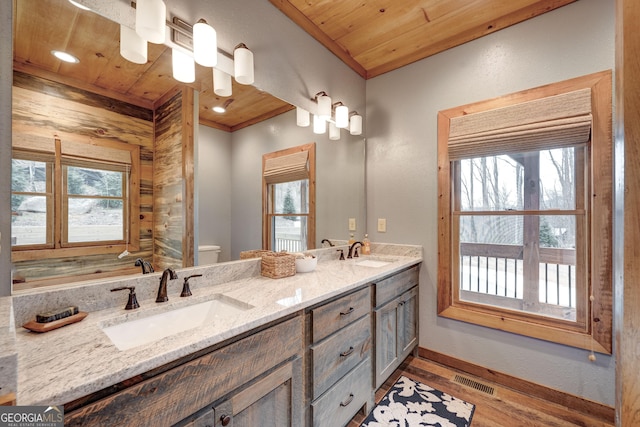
[371, 36]
[377, 36]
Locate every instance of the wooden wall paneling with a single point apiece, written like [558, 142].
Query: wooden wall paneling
[168, 195]
[627, 315]
[189, 120]
[43, 110]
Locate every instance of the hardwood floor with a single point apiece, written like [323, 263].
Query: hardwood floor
[503, 408]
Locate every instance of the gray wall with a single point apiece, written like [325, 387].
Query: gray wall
[213, 190]
[402, 106]
[339, 180]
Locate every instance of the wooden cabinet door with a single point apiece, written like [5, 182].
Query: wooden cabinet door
[387, 356]
[273, 401]
[407, 322]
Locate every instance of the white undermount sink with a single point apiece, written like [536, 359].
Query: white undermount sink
[374, 262]
[145, 330]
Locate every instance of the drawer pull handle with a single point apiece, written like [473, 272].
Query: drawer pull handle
[347, 352]
[346, 313]
[349, 400]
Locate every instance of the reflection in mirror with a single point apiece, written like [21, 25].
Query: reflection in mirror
[106, 99]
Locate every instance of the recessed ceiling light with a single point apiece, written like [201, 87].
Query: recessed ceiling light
[81, 6]
[64, 56]
[219, 109]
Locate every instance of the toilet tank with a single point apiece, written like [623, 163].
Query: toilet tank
[208, 254]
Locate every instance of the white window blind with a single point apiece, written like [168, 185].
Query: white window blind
[555, 121]
[291, 167]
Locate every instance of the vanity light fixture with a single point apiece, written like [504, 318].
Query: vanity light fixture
[342, 115]
[64, 56]
[205, 44]
[302, 117]
[334, 132]
[243, 64]
[184, 68]
[355, 124]
[319, 125]
[324, 105]
[221, 83]
[151, 18]
[132, 47]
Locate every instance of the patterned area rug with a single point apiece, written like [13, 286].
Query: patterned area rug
[411, 404]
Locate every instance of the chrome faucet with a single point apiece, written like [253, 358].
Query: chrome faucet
[162, 290]
[353, 251]
[145, 265]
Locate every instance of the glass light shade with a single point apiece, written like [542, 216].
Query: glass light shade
[243, 65]
[302, 117]
[319, 125]
[205, 44]
[324, 107]
[184, 68]
[342, 116]
[355, 125]
[334, 132]
[151, 18]
[132, 47]
[221, 83]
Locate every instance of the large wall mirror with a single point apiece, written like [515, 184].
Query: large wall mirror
[228, 147]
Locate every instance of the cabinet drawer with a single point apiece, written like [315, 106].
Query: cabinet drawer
[391, 287]
[170, 397]
[332, 316]
[341, 402]
[339, 353]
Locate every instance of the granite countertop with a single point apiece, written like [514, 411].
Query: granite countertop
[68, 363]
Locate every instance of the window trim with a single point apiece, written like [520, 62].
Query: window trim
[310, 149]
[597, 334]
[105, 148]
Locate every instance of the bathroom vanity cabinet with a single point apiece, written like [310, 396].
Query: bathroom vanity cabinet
[396, 320]
[262, 370]
[316, 367]
[340, 359]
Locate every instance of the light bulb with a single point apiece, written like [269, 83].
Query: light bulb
[342, 116]
[221, 83]
[324, 106]
[151, 20]
[243, 65]
[132, 47]
[319, 125]
[184, 68]
[355, 125]
[205, 44]
[302, 117]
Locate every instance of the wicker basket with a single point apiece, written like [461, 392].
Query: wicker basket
[278, 264]
[256, 253]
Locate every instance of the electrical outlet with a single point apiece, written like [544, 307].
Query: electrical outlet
[382, 225]
[352, 224]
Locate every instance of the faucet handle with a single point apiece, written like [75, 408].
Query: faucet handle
[186, 291]
[341, 254]
[133, 300]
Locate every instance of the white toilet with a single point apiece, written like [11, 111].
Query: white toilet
[208, 254]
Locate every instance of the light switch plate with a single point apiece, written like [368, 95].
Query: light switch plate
[382, 225]
[352, 224]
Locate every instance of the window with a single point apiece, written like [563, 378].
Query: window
[288, 199]
[525, 203]
[67, 196]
